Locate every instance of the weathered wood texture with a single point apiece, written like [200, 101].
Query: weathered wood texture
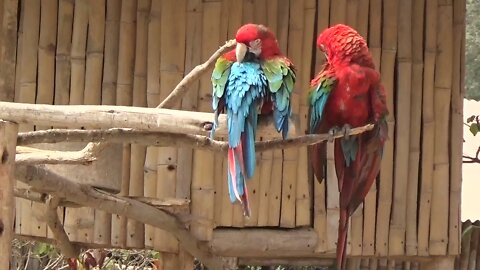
[127, 53]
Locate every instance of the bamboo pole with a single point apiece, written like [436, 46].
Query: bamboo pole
[153, 92]
[46, 51]
[203, 168]
[351, 9]
[124, 96]
[428, 127]
[8, 133]
[110, 66]
[401, 180]
[135, 230]
[95, 54]
[19, 47]
[62, 58]
[454, 234]
[415, 126]
[172, 59]
[103, 221]
[442, 96]
[338, 12]
[304, 194]
[332, 201]
[28, 79]
[363, 17]
[27, 92]
[389, 47]
[77, 55]
[193, 38]
[319, 205]
[291, 156]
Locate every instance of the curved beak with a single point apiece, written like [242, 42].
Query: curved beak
[240, 51]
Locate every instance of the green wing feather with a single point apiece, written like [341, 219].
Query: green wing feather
[220, 74]
[322, 85]
[280, 75]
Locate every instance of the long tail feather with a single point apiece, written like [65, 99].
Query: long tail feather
[233, 176]
[342, 239]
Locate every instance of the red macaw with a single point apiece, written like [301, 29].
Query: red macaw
[348, 93]
[254, 78]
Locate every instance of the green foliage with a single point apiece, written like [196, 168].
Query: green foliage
[472, 50]
[473, 122]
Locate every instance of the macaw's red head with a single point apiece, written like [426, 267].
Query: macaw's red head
[343, 45]
[255, 41]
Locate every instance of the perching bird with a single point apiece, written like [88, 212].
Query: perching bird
[348, 93]
[254, 78]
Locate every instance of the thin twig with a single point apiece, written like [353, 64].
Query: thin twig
[180, 90]
[475, 159]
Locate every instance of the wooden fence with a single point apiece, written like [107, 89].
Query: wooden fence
[132, 52]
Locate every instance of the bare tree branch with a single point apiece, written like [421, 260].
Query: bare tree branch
[181, 89]
[61, 237]
[47, 181]
[469, 159]
[30, 155]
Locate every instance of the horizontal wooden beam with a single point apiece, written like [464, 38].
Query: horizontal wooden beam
[254, 245]
[100, 116]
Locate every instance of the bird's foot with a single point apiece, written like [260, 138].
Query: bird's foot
[331, 133]
[346, 131]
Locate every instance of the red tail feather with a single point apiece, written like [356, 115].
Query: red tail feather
[342, 240]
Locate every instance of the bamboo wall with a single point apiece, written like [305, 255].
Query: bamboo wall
[134, 52]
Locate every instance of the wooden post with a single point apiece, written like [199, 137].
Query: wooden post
[8, 139]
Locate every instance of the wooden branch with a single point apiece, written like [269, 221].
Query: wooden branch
[152, 119]
[53, 222]
[182, 88]
[30, 195]
[118, 135]
[469, 159]
[47, 181]
[30, 155]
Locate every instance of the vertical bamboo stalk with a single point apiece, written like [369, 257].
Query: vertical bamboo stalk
[403, 87]
[46, 56]
[103, 221]
[126, 54]
[351, 13]
[172, 59]
[153, 92]
[290, 156]
[415, 126]
[46, 51]
[304, 194]
[18, 60]
[362, 17]
[203, 168]
[193, 40]
[248, 12]
[64, 47]
[8, 141]
[320, 212]
[112, 34]
[264, 190]
[428, 127]
[28, 79]
[442, 96]
[332, 201]
[135, 230]
[389, 47]
[27, 93]
[456, 130]
[77, 55]
[338, 12]
[95, 45]
[260, 11]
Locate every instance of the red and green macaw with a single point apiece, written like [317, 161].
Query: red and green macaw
[348, 93]
[254, 78]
